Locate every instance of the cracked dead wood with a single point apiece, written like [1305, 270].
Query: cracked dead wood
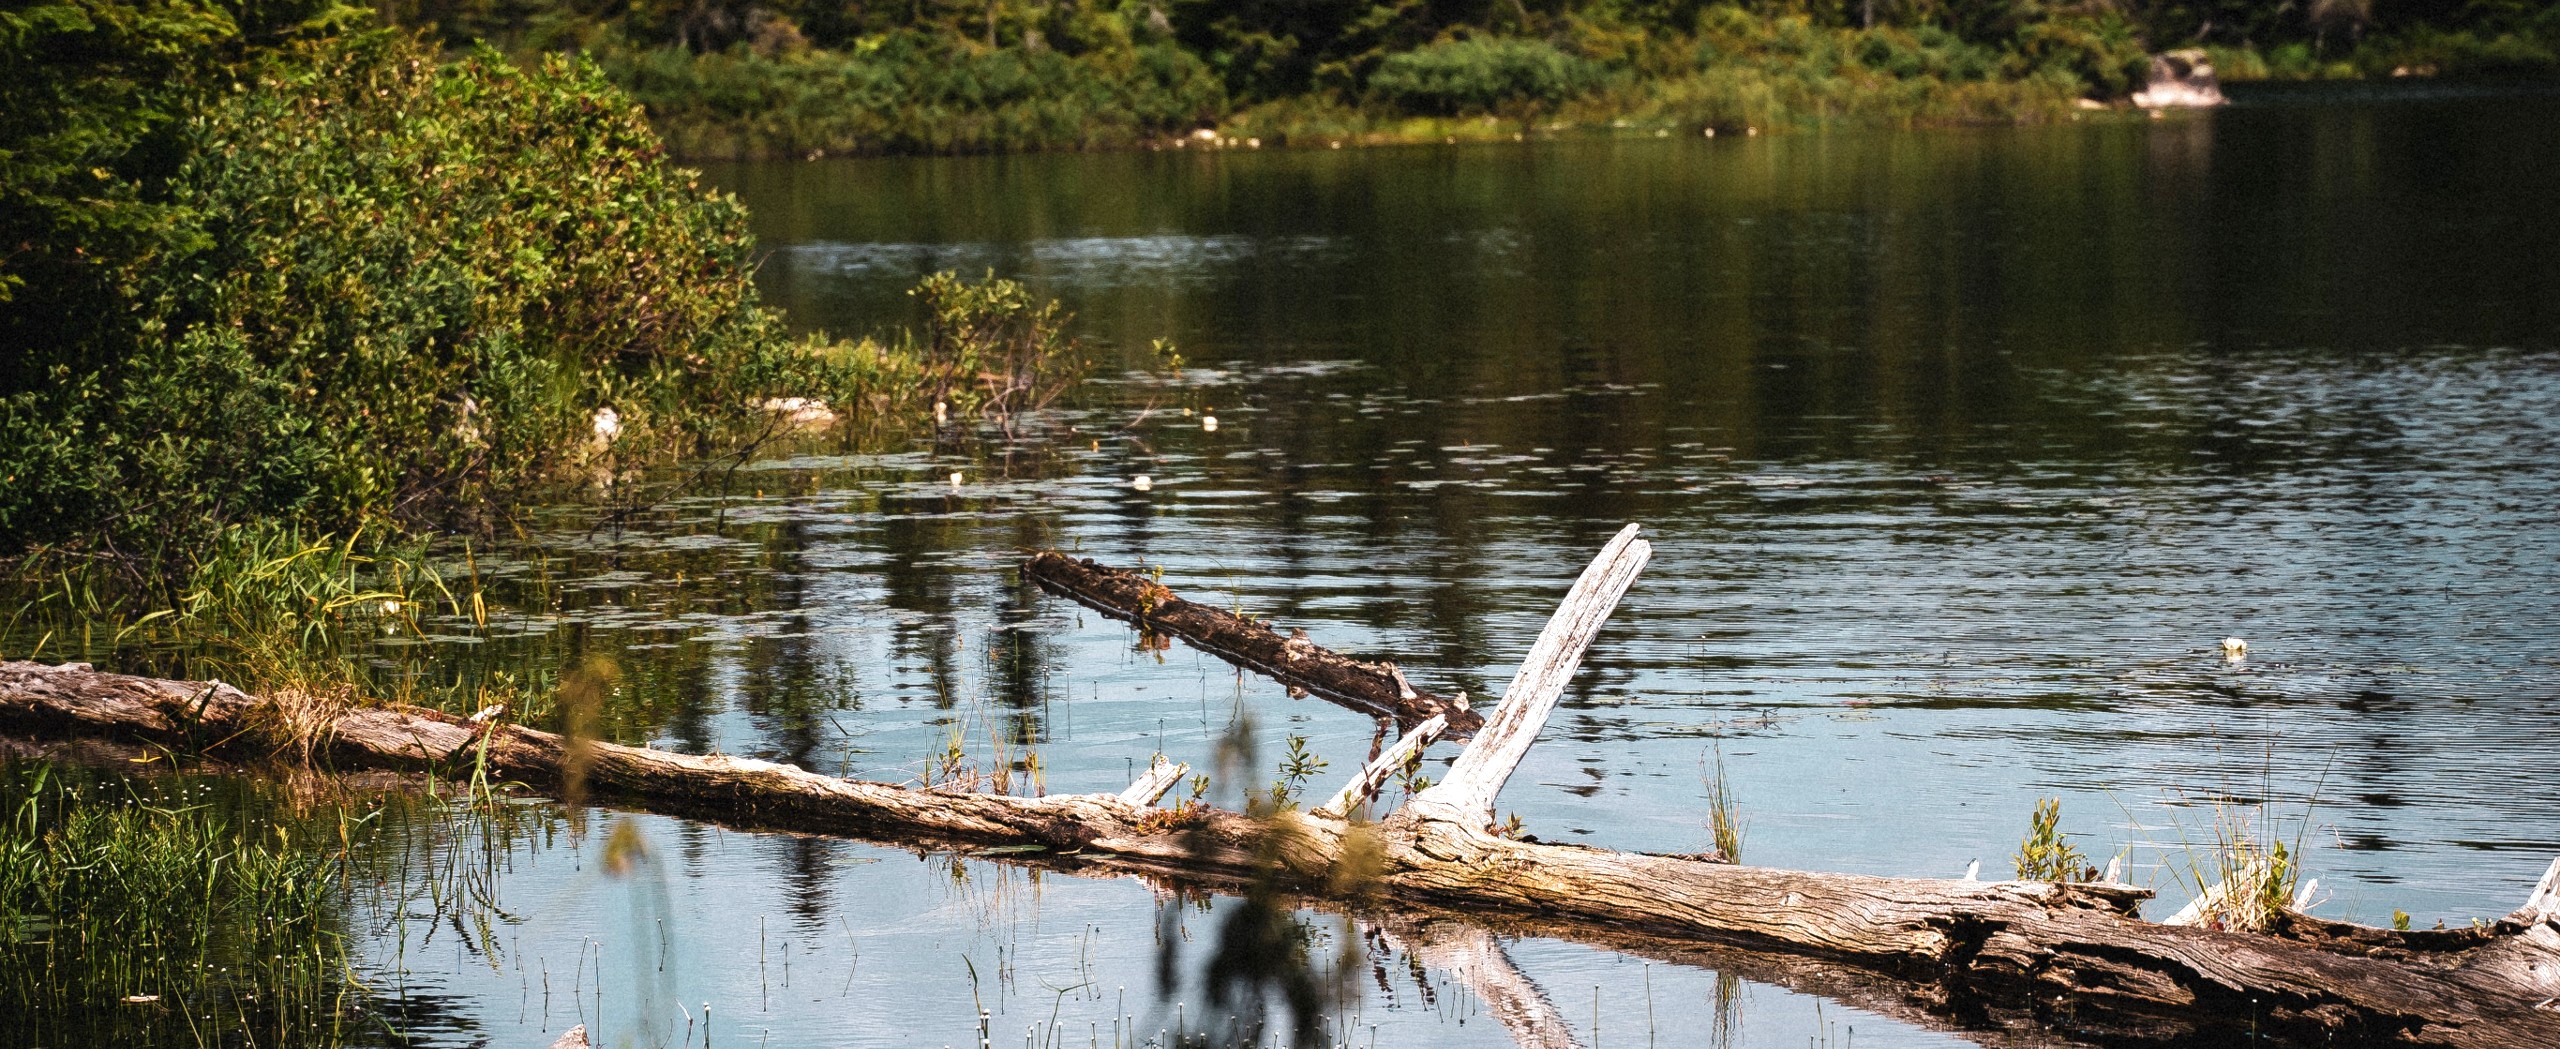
[1292, 660]
[2076, 958]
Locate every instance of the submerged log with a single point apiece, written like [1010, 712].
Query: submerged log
[1292, 660]
[2075, 957]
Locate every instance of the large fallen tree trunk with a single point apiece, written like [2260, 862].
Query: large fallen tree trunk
[2075, 957]
[1293, 660]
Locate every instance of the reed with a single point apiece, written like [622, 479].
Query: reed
[2243, 871]
[1724, 812]
[127, 909]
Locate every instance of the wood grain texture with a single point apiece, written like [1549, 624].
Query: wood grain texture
[1293, 660]
[1160, 776]
[1508, 733]
[1374, 775]
[2072, 956]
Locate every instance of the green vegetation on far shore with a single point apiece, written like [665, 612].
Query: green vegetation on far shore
[801, 78]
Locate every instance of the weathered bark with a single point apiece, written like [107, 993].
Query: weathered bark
[1481, 769]
[2074, 957]
[1295, 661]
[1380, 769]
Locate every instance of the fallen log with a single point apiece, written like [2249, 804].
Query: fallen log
[2074, 957]
[1293, 660]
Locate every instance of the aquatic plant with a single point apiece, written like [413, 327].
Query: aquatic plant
[124, 908]
[1724, 813]
[2244, 873]
[1297, 766]
[2046, 854]
[282, 613]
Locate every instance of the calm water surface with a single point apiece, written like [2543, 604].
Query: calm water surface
[1961, 452]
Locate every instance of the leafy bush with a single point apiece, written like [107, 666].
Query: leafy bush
[2432, 52]
[1482, 75]
[913, 93]
[1751, 70]
[404, 289]
[2046, 854]
[2101, 53]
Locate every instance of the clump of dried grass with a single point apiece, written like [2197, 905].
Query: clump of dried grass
[299, 721]
[2244, 873]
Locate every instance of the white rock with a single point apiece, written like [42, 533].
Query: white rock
[799, 411]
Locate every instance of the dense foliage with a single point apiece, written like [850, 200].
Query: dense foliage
[795, 77]
[347, 281]
[914, 93]
[1481, 75]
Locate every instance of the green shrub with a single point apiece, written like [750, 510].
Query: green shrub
[2046, 854]
[1482, 75]
[914, 93]
[2101, 53]
[407, 287]
[94, 95]
[2433, 52]
[1754, 71]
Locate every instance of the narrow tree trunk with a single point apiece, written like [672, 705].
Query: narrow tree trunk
[1295, 661]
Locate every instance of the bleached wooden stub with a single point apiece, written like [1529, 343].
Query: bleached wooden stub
[1376, 773]
[1507, 734]
[2218, 899]
[1404, 688]
[1159, 777]
[2543, 905]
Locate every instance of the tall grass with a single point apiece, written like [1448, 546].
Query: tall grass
[130, 915]
[2241, 867]
[1724, 812]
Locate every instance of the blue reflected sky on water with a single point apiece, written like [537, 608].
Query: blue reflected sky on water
[1961, 452]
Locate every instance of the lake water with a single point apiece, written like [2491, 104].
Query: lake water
[1961, 453]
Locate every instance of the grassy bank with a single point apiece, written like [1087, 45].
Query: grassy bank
[912, 92]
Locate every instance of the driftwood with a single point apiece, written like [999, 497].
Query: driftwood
[1292, 660]
[2073, 957]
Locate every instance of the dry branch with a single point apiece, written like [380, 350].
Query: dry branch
[1482, 768]
[1293, 660]
[2076, 957]
[1382, 768]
